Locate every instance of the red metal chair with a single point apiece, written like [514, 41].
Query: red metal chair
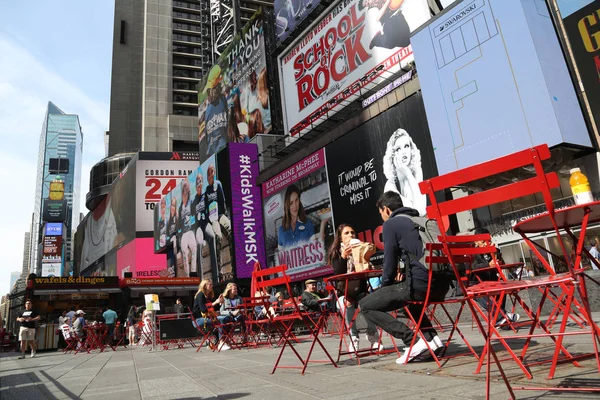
[456, 247]
[312, 321]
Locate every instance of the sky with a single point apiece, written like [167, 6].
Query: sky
[59, 51]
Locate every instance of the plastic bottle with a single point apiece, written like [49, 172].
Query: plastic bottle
[580, 186]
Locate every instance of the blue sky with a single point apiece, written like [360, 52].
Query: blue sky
[57, 51]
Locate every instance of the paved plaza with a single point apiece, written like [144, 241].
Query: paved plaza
[136, 373]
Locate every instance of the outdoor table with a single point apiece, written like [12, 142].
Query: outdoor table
[346, 278]
[94, 338]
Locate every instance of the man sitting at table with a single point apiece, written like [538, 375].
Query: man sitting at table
[402, 242]
[311, 299]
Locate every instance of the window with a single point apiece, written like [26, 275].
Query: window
[123, 32]
[58, 166]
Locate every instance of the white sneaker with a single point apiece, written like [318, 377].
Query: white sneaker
[374, 340]
[32, 353]
[510, 317]
[354, 343]
[223, 346]
[419, 348]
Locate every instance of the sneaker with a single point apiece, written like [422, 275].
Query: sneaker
[32, 353]
[224, 346]
[510, 317]
[354, 343]
[21, 357]
[374, 340]
[419, 348]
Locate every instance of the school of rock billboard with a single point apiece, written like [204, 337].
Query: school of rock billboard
[298, 219]
[290, 13]
[581, 19]
[196, 221]
[233, 98]
[349, 49]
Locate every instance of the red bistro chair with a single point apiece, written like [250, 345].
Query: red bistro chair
[312, 321]
[455, 247]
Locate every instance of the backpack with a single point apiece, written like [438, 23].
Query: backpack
[429, 231]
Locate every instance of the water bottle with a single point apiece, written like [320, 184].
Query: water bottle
[580, 186]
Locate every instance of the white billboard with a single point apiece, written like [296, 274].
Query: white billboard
[350, 49]
[51, 269]
[495, 81]
[156, 178]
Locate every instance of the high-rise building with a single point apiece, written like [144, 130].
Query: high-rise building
[161, 50]
[60, 150]
[26, 255]
[13, 278]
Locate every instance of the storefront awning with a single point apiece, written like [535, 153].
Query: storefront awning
[40, 292]
[158, 289]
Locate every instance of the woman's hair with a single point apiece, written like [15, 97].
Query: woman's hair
[228, 289]
[279, 294]
[185, 189]
[233, 132]
[173, 204]
[237, 108]
[263, 88]
[255, 125]
[389, 169]
[287, 217]
[334, 249]
[202, 289]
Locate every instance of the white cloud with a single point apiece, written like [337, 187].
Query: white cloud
[26, 86]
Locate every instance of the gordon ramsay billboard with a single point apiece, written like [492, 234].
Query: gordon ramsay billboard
[351, 48]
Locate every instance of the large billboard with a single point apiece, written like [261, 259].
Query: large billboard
[246, 208]
[233, 98]
[391, 152]
[494, 82]
[54, 210]
[111, 224]
[138, 258]
[353, 47]
[155, 178]
[298, 218]
[290, 13]
[581, 19]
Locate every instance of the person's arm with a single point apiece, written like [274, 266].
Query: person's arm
[384, 8]
[391, 255]
[309, 300]
[225, 305]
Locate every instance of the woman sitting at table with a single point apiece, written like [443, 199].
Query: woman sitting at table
[260, 312]
[340, 258]
[200, 311]
[230, 307]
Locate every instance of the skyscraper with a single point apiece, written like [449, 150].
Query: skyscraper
[161, 50]
[60, 150]
[13, 278]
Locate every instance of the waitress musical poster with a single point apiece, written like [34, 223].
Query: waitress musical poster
[298, 218]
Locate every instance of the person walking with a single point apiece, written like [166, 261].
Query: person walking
[178, 308]
[27, 329]
[110, 317]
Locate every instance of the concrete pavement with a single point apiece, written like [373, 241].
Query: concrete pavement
[135, 373]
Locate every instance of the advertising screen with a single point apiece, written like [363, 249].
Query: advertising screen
[155, 178]
[54, 210]
[351, 48]
[138, 258]
[110, 224]
[54, 229]
[494, 82]
[396, 156]
[52, 246]
[298, 218]
[290, 13]
[233, 98]
[581, 19]
[246, 208]
[51, 269]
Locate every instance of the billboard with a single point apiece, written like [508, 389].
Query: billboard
[54, 210]
[51, 269]
[298, 218]
[111, 224]
[155, 178]
[233, 98]
[352, 47]
[53, 229]
[396, 157]
[246, 208]
[138, 258]
[490, 91]
[52, 246]
[290, 13]
[581, 20]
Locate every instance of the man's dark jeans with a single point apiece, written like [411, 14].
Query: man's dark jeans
[376, 305]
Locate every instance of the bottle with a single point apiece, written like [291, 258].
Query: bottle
[580, 186]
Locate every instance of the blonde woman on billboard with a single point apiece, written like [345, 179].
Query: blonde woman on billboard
[187, 221]
[402, 168]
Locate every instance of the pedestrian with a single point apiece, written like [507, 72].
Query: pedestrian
[595, 250]
[178, 308]
[402, 242]
[27, 330]
[71, 315]
[110, 317]
[61, 321]
[131, 324]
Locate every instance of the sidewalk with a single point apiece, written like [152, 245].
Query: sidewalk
[135, 373]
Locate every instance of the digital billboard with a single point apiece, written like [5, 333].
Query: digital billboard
[351, 48]
[54, 210]
[53, 229]
[233, 98]
[298, 218]
[494, 82]
[290, 13]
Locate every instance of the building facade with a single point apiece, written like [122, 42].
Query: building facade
[61, 143]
